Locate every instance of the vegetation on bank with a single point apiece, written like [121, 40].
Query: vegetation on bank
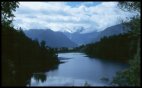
[64, 49]
[115, 47]
[131, 76]
[124, 47]
[21, 56]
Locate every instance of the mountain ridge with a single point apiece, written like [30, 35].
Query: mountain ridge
[86, 38]
[52, 39]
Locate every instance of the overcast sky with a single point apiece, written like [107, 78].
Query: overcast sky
[69, 16]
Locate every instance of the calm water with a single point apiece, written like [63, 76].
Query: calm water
[77, 70]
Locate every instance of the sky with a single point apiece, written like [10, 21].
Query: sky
[69, 16]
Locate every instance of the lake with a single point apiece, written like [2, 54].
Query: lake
[78, 70]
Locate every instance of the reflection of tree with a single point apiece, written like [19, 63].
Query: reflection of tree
[39, 77]
[43, 77]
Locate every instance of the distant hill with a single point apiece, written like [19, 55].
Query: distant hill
[94, 36]
[113, 30]
[52, 39]
[81, 38]
[66, 39]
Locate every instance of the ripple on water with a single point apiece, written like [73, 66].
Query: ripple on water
[63, 81]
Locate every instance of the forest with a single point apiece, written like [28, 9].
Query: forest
[22, 56]
[114, 47]
[124, 48]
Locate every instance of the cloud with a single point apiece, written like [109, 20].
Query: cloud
[68, 16]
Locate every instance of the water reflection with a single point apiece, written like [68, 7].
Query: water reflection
[39, 77]
[77, 70]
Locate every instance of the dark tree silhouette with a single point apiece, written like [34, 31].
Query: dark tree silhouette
[7, 9]
[113, 47]
[21, 56]
[43, 43]
[131, 76]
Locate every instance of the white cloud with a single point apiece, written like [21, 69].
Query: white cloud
[59, 16]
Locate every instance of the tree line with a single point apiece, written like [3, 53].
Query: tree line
[117, 47]
[124, 47]
[22, 56]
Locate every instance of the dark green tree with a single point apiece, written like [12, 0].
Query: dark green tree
[21, 56]
[131, 76]
[7, 9]
[43, 43]
[130, 6]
